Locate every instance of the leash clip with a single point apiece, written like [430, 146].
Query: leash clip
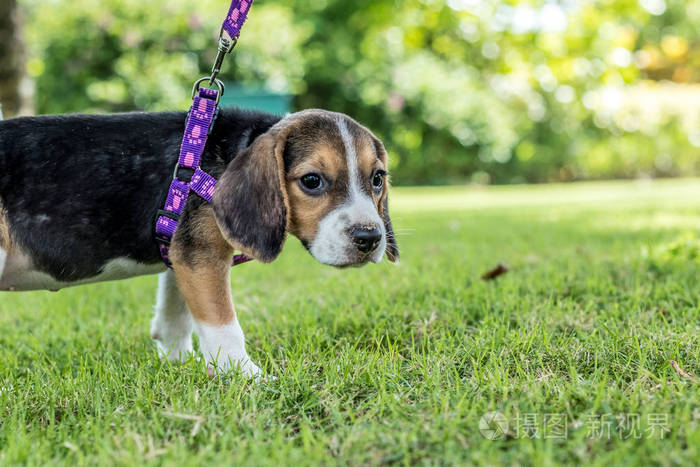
[225, 47]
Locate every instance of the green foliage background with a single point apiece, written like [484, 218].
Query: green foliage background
[463, 90]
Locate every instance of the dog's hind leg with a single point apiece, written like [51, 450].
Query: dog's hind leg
[171, 326]
[3, 258]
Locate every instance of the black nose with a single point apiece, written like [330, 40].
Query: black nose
[366, 239]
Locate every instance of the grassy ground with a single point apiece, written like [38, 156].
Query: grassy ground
[396, 364]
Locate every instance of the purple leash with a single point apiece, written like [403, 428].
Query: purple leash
[200, 121]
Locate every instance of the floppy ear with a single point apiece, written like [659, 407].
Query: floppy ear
[392, 249]
[250, 202]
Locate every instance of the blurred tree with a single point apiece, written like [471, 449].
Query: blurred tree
[14, 97]
[459, 90]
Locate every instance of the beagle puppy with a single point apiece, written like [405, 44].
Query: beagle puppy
[79, 195]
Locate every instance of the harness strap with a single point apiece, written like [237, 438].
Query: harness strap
[200, 120]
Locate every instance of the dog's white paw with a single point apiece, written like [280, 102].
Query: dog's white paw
[171, 326]
[250, 369]
[224, 349]
[245, 366]
[178, 351]
[174, 341]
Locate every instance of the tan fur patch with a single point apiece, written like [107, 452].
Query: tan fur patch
[279, 157]
[323, 158]
[369, 160]
[367, 157]
[202, 272]
[306, 214]
[201, 241]
[207, 290]
[307, 211]
[4, 229]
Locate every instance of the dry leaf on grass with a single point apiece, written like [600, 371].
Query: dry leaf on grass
[494, 273]
[681, 372]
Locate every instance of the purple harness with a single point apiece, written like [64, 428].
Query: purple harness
[200, 121]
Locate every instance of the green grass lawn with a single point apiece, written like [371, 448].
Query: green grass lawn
[396, 364]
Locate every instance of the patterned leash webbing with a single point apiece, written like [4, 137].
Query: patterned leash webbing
[199, 124]
[237, 14]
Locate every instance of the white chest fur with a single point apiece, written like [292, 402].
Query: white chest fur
[16, 273]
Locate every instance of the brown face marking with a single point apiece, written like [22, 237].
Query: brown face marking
[370, 158]
[381, 197]
[307, 210]
[318, 147]
[308, 142]
[314, 147]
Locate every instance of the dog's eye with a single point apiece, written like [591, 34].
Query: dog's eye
[311, 182]
[378, 179]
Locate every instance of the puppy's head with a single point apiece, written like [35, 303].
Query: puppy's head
[318, 175]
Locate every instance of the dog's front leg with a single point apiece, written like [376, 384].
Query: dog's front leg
[207, 289]
[171, 326]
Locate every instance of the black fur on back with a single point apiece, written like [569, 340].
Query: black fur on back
[79, 190]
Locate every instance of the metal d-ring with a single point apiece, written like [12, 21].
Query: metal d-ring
[218, 82]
